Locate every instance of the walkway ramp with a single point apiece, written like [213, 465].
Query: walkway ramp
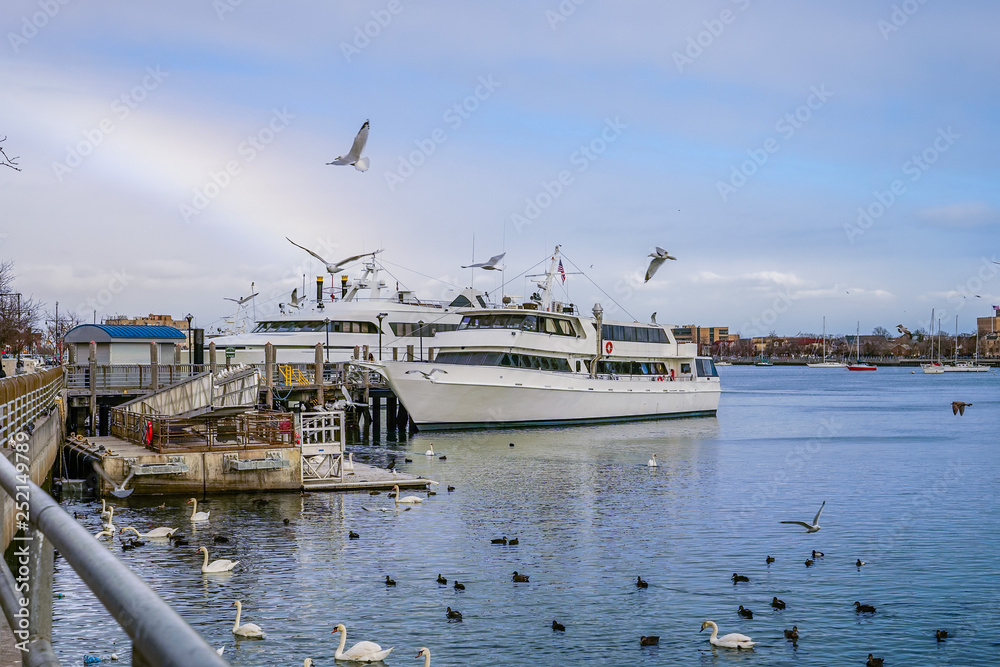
[228, 391]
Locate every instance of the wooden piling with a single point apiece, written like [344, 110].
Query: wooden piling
[93, 386]
[318, 371]
[211, 357]
[154, 366]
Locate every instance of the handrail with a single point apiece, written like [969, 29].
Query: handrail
[158, 633]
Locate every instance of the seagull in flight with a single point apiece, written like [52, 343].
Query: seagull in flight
[353, 156]
[240, 302]
[814, 526]
[492, 265]
[904, 331]
[336, 267]
[659, 257]
[427, 374]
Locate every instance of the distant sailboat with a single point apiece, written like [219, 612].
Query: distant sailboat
[965, 366]
[825, 363]
[934, 367]
[858, 364]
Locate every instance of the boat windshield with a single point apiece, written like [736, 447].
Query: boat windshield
[524, 322]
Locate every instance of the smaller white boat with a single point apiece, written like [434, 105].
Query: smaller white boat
[825, 363]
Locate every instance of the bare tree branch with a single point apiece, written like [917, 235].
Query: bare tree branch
[7, 161]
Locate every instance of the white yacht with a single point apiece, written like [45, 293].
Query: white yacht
[542, 363]
[358, 314]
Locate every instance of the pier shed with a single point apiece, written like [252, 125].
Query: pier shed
[122, 344]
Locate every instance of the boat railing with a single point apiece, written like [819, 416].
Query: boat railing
[159, 635]
[117, 377]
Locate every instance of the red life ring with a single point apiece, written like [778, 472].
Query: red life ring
[608, 347]
[660, 378]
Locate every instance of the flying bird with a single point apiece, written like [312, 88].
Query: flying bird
[335, 267]
[904, 331]
[958, 407]
[492, 265]
[814, 526]
[428, 375]
[240, 302]
[659, 257]
[353, 156]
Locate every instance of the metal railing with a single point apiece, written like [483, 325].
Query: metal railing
[128, 376]
[159, 635]
[164, 434]
[24, 398]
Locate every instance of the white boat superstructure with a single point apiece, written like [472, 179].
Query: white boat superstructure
[360, 314]
[540, 363]
[965, 366]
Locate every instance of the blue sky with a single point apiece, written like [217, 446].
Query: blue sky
[168, 149]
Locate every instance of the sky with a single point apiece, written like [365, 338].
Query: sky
[800, 160]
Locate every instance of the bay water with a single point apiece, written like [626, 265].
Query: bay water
[910, 488]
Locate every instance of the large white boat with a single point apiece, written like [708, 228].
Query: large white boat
[363, 313]
[825, 363]
[540, 363]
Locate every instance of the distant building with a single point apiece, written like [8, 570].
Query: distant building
[150, 320]
[706, 337]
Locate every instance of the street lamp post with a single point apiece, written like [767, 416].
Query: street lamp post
[380, 316]
[190, 317]
[421, 332]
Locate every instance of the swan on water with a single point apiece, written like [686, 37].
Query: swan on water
[426, 654]
[732, 640]
[111, 515]
[105, 514]
[195, 514]
[220, 650]
[249, 630]
[349, 463]
[430, 452]
[406, 499]
[652, 462]
[220, 565]
[814, 526]
[104, 533]
[162, 531]
[360, 652]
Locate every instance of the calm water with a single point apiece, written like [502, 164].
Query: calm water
[910, 488]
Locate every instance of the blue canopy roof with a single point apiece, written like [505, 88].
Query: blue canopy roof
[86, 332]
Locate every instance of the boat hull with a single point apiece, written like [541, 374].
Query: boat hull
[462, 397]
[826, 364]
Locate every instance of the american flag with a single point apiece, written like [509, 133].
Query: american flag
[996, 309]
[562, 272]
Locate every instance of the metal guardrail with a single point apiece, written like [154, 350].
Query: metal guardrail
[251, 430]
[159, 635]
[111, 377]
[24, 398]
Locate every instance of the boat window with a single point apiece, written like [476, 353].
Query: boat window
[577, 365]
[685, 368]
[549, 325]
[481, 300]
[505, 360]
[529, 323]
[706, 368]
[565, 328]
[461, 301]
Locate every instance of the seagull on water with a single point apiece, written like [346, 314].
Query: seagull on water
[353, 156]
[334, 267]
[427, 374]
[492, 265]
[814, 526]
[659, 257]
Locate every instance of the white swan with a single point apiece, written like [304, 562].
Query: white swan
[195, 514]
[104, 533]
[220, 650]
[360, 652]
[249, 630]
[406, 499]
[220, 565]
[105, 514]
[732, 640]
[162, 531]
[652, 462]
[426, 652]
[349, 463]
[430, 452]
